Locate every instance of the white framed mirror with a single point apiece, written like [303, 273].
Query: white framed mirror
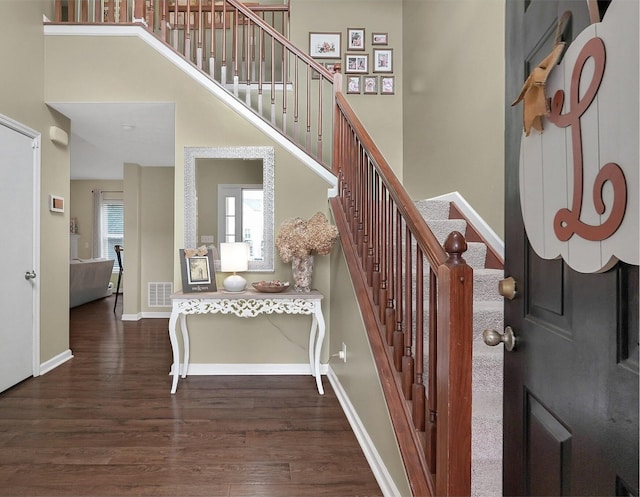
[200, 162]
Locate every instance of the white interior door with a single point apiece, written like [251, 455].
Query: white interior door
[19, 184]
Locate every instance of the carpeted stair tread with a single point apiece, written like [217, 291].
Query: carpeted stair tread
[487, 367]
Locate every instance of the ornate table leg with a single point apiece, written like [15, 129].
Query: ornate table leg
[185, 344]
[174, 347]
[318, 347]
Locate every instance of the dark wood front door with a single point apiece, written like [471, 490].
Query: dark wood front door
[571, 384]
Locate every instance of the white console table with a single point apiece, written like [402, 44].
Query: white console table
[247, 304]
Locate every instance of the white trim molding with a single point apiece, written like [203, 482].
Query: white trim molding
[478, 223]
[251, 369]
[380, 472]
[56, 361]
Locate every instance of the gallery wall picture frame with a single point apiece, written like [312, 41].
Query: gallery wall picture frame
[379, 38]
[325, 45]
[387, 85]
[198, 272]
[355, 39]
[354, 84]
[370, 85]
[356, 63]
[383, 60]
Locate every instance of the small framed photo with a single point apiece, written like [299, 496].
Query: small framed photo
[355, 37]
[379, 38]
[325, 45]
[56, 204]
[387, 85]
[198, 271]
[354, 84]
[370, 85]
[383, 60]
[356, 63]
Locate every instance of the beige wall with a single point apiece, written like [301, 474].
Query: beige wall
[201, 120]
[22, 54]
[358, 376]
[454, 102]
[381, 114]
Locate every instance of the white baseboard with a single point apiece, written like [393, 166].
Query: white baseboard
[131, 317]
[56, 361]
[480, 224]
[146, 315]
[380, 472]
[251, 369]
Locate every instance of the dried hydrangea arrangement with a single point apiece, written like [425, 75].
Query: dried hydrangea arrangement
[298, 240]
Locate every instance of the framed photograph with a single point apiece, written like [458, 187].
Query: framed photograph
[379, 38]
[356, 63]
[353, 84]
[325, 45]
[198, 271]
[355, 39]
[383, 60]
[387, 85]
[370, 85]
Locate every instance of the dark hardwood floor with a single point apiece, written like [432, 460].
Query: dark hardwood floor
[105, 424]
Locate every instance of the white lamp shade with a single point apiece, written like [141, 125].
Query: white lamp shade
[234, 257]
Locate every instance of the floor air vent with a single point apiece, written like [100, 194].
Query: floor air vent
[160, 294]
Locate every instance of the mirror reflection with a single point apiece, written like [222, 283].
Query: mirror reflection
[229, 198]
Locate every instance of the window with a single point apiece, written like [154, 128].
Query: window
[112, 232]
[108, 225]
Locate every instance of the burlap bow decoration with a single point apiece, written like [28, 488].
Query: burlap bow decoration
[536, 104]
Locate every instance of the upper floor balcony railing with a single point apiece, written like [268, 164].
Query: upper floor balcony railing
[243, 47]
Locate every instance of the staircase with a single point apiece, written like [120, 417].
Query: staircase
[486, 443]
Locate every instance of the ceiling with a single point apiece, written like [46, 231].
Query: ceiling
[104, 136]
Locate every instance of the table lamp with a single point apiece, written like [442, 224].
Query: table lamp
[234, 257]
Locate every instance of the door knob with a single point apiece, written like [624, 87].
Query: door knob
[29, 275]
[493, 338]
[507, 288]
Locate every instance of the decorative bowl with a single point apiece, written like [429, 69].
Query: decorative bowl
[271, 286]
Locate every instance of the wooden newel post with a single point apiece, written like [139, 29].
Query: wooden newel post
[455, 339]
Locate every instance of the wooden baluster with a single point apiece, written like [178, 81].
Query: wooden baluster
[122, 12]
[261, 69]
[432, 397]
[223, 66]
[176, 24]
[407, 359]
[212, 41]
[163, 18]
[296, 98]
[319, 145]
[234, 52]
[418, 390]
[200, 36]
[273, 83]
[247, 44]
[187, 32]
[285, 69]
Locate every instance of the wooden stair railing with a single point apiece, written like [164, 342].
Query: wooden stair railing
[423, 353]
[243, 47]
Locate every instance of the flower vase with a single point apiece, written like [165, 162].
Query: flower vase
[302, 268]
